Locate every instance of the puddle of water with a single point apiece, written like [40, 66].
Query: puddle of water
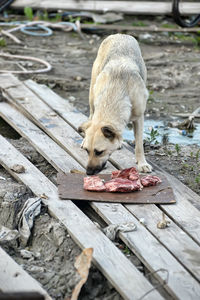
[175, 135]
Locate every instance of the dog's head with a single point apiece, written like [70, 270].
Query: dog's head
[100, 141]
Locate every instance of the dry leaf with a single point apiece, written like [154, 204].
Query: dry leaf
[82, 264]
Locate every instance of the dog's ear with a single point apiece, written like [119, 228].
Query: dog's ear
[109, 132]
[83, 127]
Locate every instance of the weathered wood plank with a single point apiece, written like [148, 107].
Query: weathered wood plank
[119, 214]
[14, 279]
[135, 7]
[183, 212]
[150, 251]
[174, 239]
[53, 153]
[129, 282]
[60, 105]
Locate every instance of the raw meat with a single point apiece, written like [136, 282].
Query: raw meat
[130, 173]
[150, 180]
[94, 183]
[123, 185]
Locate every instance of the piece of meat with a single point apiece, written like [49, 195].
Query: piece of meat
[123, 185]
[130, 173]
[94, 183]
[150, 180]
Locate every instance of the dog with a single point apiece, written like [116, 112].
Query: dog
[117, 96]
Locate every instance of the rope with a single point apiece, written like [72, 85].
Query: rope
[28, 30]
[48, 66]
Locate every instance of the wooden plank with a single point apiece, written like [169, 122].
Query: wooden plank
[174, 239]
[129, 282]
[184, 213]
[150, 251]
[13, 278]
[133, 7]
[148, 257]
[136, 29]
[38, 139]
[60, 105]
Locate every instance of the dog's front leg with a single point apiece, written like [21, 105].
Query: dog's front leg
[143, 166]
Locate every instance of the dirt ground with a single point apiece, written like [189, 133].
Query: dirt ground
[173, 65]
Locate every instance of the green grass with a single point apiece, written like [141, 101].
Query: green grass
[167, 25]
[152, 139]
[28, 12]
[2, 42]
[139, 23]
[177, 148]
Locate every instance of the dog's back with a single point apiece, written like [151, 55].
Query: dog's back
[120, 47]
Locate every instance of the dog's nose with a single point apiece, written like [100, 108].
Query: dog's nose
[94, 170]
[91, 171]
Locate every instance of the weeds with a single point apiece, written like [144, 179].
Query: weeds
[2, 42]
[197, 155]
[73, 20]
[139, 23]
[169, 25]
[151, 98]
[178, 149]
[152, 139]
[126, 250]
[28, 13]
[197, 179]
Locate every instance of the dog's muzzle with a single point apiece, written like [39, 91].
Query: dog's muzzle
[94, 170]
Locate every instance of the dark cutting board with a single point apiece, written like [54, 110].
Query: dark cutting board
[70, 186]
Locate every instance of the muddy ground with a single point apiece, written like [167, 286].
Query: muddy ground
[173, 64]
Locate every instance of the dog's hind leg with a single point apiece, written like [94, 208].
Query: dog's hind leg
[138, 125]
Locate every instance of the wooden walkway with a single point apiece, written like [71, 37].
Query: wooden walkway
[50, 124]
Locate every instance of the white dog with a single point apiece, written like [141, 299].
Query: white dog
[118, 95]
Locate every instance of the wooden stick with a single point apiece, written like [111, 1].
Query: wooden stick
[153, 28]
[128, 7]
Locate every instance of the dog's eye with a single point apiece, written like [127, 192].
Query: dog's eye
[97, 153]
[87, 150]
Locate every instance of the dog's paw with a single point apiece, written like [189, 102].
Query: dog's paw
[144, 167]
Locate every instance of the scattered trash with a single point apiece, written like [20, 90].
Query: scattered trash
[18, 169]
[164, 223]
[82, 264]
[145, 36]
[26, 254]
[185, 125]
[109, 17]
[2, 178]
[112, 230]
[30, 210]
[7, 235]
